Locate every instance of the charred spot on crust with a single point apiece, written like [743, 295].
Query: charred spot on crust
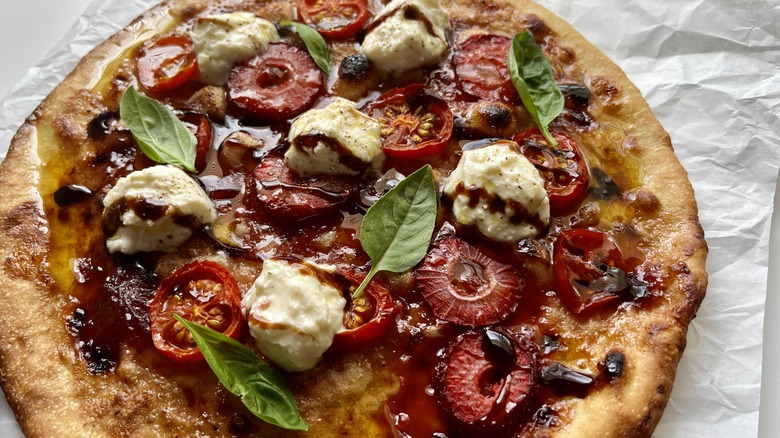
[605, 188]
[614, 364]
[492, 117]
[355, 68]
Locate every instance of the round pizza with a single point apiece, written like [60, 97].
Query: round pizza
[329, 218]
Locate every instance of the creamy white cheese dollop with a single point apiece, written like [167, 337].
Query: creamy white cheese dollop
[337, 139]
[292, 313]
[155, 209]
[410, 34]
[225, 39]
[497, 189]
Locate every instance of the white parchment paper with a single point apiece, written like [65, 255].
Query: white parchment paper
[709, 69]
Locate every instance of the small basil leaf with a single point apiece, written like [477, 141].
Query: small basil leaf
[158, 132]
[533, 78]
[397, 229]
[315, 44]
[261, 388]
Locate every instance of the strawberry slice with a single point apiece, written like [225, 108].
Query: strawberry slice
[464, 286]
[485, 386]
[287, 196]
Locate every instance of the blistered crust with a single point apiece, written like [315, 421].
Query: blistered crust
[52, 394]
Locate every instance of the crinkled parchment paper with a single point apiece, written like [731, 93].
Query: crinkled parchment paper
[709, 69]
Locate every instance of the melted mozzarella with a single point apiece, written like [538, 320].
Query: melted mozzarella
[511, 202]
[224, 39]
[292, 314]
[148, 207]
[410, 34]
[337, 139]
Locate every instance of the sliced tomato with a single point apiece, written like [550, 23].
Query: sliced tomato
[565, 174]
[278, 84]
[415, 123]
[202, 292]
[334, 19]
[199, 125]
[486, 380]
[167, 63]
[368, 318]
[481, 66]
[287, 196]
[464, 286]
[588, 268]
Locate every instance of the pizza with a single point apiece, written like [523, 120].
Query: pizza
[345, 218]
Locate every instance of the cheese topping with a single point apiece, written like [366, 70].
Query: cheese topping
[292, 314]
[409, 34]
[499, 191]
[155, 209]
[337, 139]
[222, 40]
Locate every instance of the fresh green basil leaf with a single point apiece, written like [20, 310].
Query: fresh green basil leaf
[158, 132]
[397, 229]
[533, 78]
[315, 44]
[261, 388]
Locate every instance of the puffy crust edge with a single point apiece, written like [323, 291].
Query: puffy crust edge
[40, 368]
[634, 408]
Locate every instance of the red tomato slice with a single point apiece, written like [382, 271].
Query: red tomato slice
[199, 125]
[484, 388]
[481, 66]
[334, 19]
[588, 268]
[565, 174]
[167, 63]
[368, 318]
[415, 123]
[464, 286]
[276, 85]
[287, 196]
[202, 292]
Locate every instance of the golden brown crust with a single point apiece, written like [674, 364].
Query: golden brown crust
[53, 395]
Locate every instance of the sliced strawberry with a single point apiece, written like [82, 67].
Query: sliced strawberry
[287, 196]
[464, 286]
[486, 380]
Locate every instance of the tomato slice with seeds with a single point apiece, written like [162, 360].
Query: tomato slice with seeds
[481, 66]
[464, 286]
[290, 197]
[368, 318]
[485, 388]
[167, 63]
[278, 84]
[566, 177]
[202, 292]
[199, 125]
[588, 269]
[334, 19]
[415, 123]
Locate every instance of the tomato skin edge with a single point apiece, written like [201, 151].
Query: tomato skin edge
[231, 295]
[411, 95]
[563, 275]
[372, 332]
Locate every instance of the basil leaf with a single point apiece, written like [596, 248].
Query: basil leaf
[158, 132]
[397, 229]
[261, 388]
[533, 78]
[315, 44]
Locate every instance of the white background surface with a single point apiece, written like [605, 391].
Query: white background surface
[29, 29]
